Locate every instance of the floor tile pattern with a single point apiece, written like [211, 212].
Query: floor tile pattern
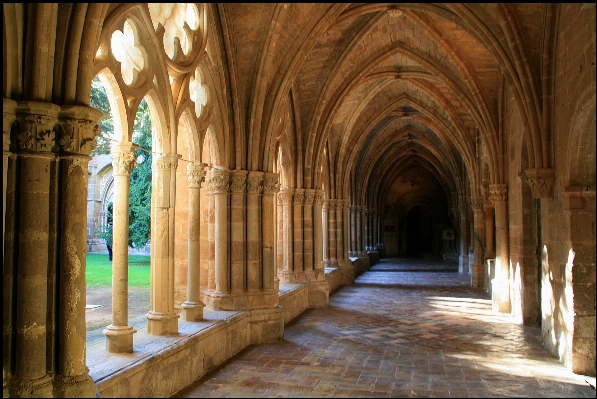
[406, 328]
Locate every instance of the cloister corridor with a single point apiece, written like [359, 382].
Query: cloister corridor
[408, 327]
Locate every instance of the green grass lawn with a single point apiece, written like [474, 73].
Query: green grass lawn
[99, 270]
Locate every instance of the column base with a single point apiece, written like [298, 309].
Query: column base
[477, 278]
[500, 296]
[319, 294]
[243, 301]
[316, 275]
[119, 339]
[39, 388]
[192, 311]
[80, 386]
[162, 323]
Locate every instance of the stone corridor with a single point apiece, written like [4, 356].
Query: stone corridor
[406, 328]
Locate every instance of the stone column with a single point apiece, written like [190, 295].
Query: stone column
[238, 272]
[359, 230]
[193, 306]
[367, 229]
[345, 235]
[308, 234]
[271, 186]
[489, 231]
[76, 141]
[298, 235]
[318, 242]
[353, 230]
[220, 186]
[210, 220]
[374, 228]
[286, 243]
[34, 145]
[119, 335]
[161, 318]
[325, 232]
[332, 226]
[8, 110]
[340, 233]
[255, 274]
[477, 277]
[463, 256]
[500, 285]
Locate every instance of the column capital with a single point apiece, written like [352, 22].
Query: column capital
[218, 181]
[498, 192]
[79, 129]
[8, 117]
[196, 174]
[255, 182]
[299, 196]
[238, 181]
[309, 196]
[167, 162]
[541, 181]
[124, 159]
[477, 202]
[270, 183]
[285, 196]
[37, 122]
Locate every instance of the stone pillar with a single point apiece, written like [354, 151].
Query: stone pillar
[161, 318]
[359, 232]
[346, 230]
[489, 230]
[308, 234]
[340, 233]
[318, 242]
[285, 245]
[332, 226]
[193, 306]
[353, 230]
[463, 250]
[210, 219]
[374, 228]
[238, 273]
[119, 335]
[255, 274]
[34, 146]
[271, 186]
[500, 285]
[76, 141]
[325, 232]
[8, 110]
[220, 187]
[477, 272]
[298, 235]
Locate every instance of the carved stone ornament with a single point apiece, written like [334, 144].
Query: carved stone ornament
[541, 182]
[219, 182]
[270, 184]
[123, 161]
[318, 199]
[79, 129]
[498, 192]
[476, 202]
[285, 196]
[254, 185]
[167, 162]
[238, 183]
[299, 198]
[195, 174]
[309, 198]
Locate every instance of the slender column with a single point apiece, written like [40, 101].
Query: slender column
[286, 243]
[308, 233]
[192, 308]
[489, 231]
[8, 110]
[501, 283]
[34, 145]
[270, 188]
[477, 277]
[161, 318]
[298, 234]
[353, 230]
[367, 229]
[318, 228]
[254, 228]
[220, 186]
[345, 232]
[210, 220]
[359, 234]
[75, 143]
[119, 335]
[238, 276]
[340, 232]
[325, 232]
[463, 258]
[333, 259]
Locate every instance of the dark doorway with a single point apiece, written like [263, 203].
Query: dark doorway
[418, 231]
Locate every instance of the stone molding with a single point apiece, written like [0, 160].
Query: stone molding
[8, 117]
[541, 181]
[167, 162]
[498, 192]
[254, 182]
[488, 209]
[219, 181]
[38, 120]
[79, 129]
[196, 174]
[238, 182]
[575, 197]
[124, 159]
[309, 197]
[299, 196]
[270, 183]
[285, 196]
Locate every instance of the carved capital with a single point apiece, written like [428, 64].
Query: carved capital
[285, 196]
[270, 183]
[331, 204]
[254, 182]
[79, 129]
[238, 181]
[167, 162]
[195, 174]
[309, 197]
[541, 182]
[477, 202]
[124, 159]
[498, 192]
[219, 181]
[299, 197]
[318, 198]
[37, 123]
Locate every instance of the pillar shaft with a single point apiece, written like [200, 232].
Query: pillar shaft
[489, 230]
[318, 263]
[345, 232]
[359, 228]
[325, 232]
[255, 273]
[340, 231]
[333, 256]
[308, 233]
[193, 306]
[220, 182]
[298, 234]
[270, 188]
[477, 272]
[463, 248]
[501, 283]
[238, 271]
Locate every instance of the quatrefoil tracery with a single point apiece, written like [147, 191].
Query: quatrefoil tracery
[198, 93]
[126, 49]
[180, 22]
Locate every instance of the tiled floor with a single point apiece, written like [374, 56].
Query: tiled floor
[406, 328]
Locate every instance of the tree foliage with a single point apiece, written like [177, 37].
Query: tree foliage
[140, 189]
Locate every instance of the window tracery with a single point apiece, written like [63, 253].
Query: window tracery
[126, 49]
